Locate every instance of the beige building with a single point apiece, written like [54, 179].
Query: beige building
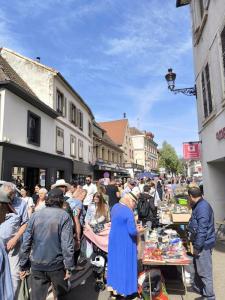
[145, 149]
[119, 132]
[108, 156]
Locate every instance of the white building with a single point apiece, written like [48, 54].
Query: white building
[208, 28]
[145, 149]
[72, 133]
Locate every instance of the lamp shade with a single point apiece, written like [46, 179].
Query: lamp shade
[170, 78]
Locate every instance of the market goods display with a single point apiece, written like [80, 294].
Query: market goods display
[165, 246]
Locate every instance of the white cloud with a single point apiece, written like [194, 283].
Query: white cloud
[8, 37]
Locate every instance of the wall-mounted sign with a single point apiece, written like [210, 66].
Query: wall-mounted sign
[192, 150]
[220, 135]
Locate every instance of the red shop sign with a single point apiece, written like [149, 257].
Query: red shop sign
[220, 135]
[192, 150]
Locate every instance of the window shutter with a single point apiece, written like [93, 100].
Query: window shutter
[71, 112]
[204, 96]
[59, 140]
[207, 76]
[223, 48]
[81, 124]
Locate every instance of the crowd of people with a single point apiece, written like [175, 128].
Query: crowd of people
[42, 235]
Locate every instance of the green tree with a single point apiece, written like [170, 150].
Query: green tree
[168, 159]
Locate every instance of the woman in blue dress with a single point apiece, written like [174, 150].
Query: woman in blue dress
[122, 249]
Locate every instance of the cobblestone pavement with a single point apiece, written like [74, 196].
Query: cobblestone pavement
[87, 292]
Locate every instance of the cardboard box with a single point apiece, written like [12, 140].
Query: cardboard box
[181, 218]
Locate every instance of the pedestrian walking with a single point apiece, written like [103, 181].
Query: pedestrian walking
[42, 194]
[63, 186]
[49, 237]
[112, 191]
[147, 211]
[91, 190]
[29, 200]
[6, 287]
[14, 222]
[35, 195]
[202, 235]
[122, 249]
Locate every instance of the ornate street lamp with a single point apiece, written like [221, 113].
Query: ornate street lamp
[171, 78]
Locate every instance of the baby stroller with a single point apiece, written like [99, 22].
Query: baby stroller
[99, 265]
[99, 239]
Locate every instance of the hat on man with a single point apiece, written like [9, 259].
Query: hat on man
[4, 198]
[60, 182]
[55, 193]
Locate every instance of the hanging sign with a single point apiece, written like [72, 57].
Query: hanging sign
[192, 150]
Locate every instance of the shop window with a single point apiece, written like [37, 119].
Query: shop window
[89, 129]
[42, 177]
[206, 92]
[80, 119]
[59, 140]
[73, 114]
[59, 174]
[80, 149]
[33, 129]
[73, 145]
[60, 103]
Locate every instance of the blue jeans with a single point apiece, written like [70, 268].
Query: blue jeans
[203, 280]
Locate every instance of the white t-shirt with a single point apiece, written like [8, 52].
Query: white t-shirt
[91, 190]
[29, 201]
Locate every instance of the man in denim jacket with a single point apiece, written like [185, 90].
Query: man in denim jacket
[202, 233]
[48, 245]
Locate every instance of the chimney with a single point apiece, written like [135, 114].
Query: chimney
[38, 59]
[124, 115]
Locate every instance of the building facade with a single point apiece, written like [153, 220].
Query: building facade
[108, 157]
[145, 149]
[27, 134]
[208, 29]
[72, 136]
[119, 132]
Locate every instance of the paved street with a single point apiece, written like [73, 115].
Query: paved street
[87, 292]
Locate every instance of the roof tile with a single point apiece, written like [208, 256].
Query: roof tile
[115, 129]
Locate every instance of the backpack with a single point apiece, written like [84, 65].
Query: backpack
[143, 206]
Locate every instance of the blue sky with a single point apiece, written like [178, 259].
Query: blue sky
[115, 53]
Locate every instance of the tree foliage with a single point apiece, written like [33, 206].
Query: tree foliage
[169, 160]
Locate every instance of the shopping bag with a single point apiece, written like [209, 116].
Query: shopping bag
[24, 290]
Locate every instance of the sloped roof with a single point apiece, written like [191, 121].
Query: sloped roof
[55, 73]
[116, 130]
[13, 82]
[135, 131]
[7, 74]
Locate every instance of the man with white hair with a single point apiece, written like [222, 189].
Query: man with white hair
[12, 229]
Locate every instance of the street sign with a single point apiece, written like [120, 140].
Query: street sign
[192, 150]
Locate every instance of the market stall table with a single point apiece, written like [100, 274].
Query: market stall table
[168, 252]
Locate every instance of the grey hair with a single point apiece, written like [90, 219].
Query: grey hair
[9, 185]
[43, 190]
